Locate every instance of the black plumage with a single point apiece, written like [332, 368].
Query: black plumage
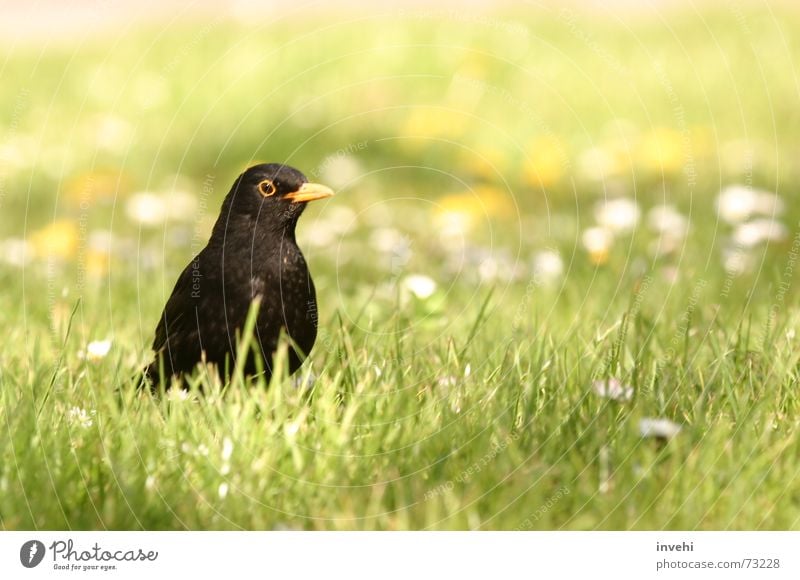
[252, 253]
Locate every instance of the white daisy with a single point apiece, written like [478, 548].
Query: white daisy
[420, 285]
[227, 448]
[754, 232]
[618, 215]
[16, 251]
[97, 350]
[768, 204]
[613, 389]
[147, 209]
[81, 417]
[666, 220]
[597, 242]
[736, 203]
[658, 428]
[548, 267]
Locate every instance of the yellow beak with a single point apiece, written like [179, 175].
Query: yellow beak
[309, 192]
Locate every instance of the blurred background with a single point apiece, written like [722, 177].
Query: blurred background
[578, 145]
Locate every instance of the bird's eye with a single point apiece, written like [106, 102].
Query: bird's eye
[266, 188]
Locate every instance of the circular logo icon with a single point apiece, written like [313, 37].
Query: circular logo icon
[31, 553]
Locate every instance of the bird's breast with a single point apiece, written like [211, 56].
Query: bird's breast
[285, 288]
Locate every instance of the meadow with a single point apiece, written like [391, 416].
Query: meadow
[556, 285]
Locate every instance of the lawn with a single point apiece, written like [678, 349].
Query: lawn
[556, 285]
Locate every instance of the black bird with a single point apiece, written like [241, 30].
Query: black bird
[252, 253]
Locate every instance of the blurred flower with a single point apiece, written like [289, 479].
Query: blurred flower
[394, 245]
[152, 209]
[222, 491]
[147, 209]
[304, 381]
[340, 170]
[18, 151]
[227, 449]
[479, 264]
[658, 428]
[101, 186]
[15, 252]
[484, 160]
[178, 396]
[420, 285]
[81, 417]
[447, 382]
[111, 132]
[600, 163]
[341, 216]
[736, 203]
[547, 162]
[670, 274]
[736, 261]
[150, 482]
[58, 239]
[387, 239]
[662, 150]
[548, 267]
[98, 253]
[432, 122]
[454, 223]
[96, 350]
[100, 240]
[497, 267]
[458, 213]
[768, 204]
[752, 233]
[291, 429]
[613, 389]
[200, 451]
[665, 219]
[671, 226]
[618, 215]
[597, 242]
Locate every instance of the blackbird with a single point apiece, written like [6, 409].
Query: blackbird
[252, 253]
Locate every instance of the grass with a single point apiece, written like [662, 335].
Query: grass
[472, 408]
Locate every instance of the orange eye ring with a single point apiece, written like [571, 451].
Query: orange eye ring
[266, 188]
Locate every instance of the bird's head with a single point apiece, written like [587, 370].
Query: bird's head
[273, 193]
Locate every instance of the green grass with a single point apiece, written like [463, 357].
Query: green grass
[470, 409]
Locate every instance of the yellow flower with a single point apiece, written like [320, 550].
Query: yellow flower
[547, 162]
[458, 213]
[97, 186]
[604, 162]
[435, 122]
[475, 65]
[97, 263]
[663, 150]
[58, 239]
[486, 161]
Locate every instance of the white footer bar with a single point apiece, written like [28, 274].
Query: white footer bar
[402, 555]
